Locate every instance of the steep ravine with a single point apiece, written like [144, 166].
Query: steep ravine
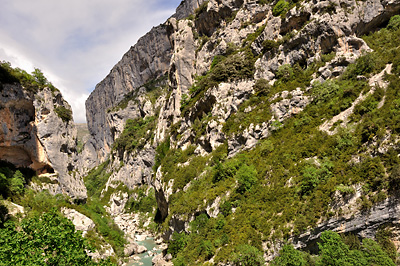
[232, 129]
[197, 78]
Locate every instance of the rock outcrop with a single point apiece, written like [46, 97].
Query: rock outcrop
[33, 135]
[80, 221]
[148, 60]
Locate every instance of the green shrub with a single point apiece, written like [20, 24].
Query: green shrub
[33, 82]
[332, 250]
[373, 172]
[384, 238]
[39, 77]
[63, 113]
[226, 208]
[135, 134]
[178, 242]
[375, 255]
[364, 65]
[96, 179]
[280, 8]
[49, 239]
[269, 45]
[285, 73]
[13, 180]
[3, 214]
[288, 256]
[310, 179]
[223, 171]
[206, 249]
[369, 130]
[247, 255]
[394, 23]
[6, 73]
[142, 202]
[17, 184]
[161, 151]
[262, 86]
[346, 190]
[323, 92]
[247, 178]
[394, 178]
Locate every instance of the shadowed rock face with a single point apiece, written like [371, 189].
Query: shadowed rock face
[18, 141]
[33, 135]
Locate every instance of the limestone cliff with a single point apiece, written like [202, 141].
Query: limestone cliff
[33, 135]
[222, 79]
[147, 60]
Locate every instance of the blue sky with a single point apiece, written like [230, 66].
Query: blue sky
[75, 42]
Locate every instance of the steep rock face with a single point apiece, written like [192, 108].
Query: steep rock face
[148, 59]
[186, 8]
[19, 144]
[323, 34]
[303, 37]
[33, 135]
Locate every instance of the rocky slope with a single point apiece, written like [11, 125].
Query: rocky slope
[34, 135]
[223, 79]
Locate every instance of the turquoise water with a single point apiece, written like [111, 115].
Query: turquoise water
[145, 260]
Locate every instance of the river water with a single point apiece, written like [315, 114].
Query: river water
[145, 259]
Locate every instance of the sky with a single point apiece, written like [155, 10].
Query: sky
[75, 42]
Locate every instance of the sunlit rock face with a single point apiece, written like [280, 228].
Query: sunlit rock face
[185, 48]
[33, 135]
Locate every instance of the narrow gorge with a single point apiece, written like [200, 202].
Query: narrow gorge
[238, 132]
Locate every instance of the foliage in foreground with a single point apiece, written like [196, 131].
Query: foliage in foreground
[48, 239]
[37, 204]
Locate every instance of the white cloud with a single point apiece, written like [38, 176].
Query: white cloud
[75, 43]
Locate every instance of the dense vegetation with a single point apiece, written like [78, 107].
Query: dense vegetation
[34, 81]
[136, 134]
[286, 184]
[338, 250]
[281, 188]
[42, 236]
[47, 239]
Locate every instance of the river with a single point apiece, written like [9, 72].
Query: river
[145, 259]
